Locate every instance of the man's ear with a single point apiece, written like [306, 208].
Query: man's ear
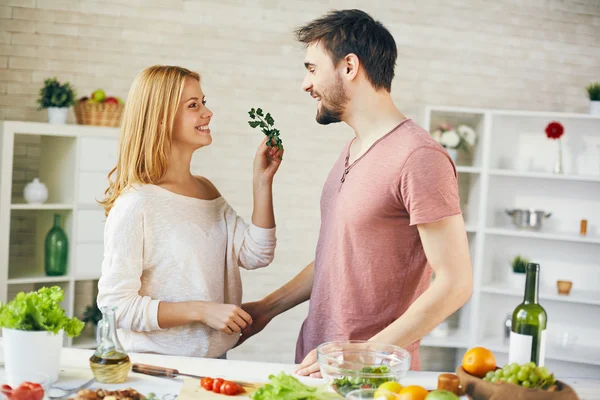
[351, 65]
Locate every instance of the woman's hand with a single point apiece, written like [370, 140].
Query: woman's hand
[226, 318]
[266, 162]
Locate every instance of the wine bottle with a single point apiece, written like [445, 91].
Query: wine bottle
[528, 330]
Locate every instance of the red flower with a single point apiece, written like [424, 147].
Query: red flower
[554, 130]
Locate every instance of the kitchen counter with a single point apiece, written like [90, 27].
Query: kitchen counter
[75, 370]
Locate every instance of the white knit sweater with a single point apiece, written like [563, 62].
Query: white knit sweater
[162, 246]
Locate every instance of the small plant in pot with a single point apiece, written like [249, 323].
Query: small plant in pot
[593, 90]
[33, 325]
[57, 98]
[519, 267]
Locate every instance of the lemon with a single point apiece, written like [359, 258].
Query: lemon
[388, 390]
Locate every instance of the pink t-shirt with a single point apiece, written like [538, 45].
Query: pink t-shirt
[370, 265]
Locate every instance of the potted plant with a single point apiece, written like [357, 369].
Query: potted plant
[517, 275]
[593, 90]
[463, 137]
[33, 325]
[57, 99]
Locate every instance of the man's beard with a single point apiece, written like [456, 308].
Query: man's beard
[336, 100]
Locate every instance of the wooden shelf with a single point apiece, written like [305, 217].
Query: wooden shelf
[565, 237]
[544, 175]
[577, 354]
[36, 207]
[576, 296]
[38, 279]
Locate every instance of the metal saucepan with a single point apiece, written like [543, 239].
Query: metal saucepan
[528, 218]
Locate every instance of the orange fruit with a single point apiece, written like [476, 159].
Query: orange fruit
[479, 361]
[412, 392]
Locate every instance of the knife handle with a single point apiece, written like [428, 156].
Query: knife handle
[154, 370]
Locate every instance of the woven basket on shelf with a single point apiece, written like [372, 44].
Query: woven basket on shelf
[101, 114]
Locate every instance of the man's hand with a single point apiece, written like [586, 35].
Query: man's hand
[309, 366]
[260, 318]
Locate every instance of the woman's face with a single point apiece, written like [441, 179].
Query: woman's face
[192, 119]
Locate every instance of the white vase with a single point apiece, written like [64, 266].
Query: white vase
[453, 154]
[558, 165]
[595, 107]
[35, 192]
[31, 351]
[58, 115]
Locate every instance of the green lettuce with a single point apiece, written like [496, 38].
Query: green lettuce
[287, 387]
[39, 311]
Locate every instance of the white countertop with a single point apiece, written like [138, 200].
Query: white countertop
[75, 370]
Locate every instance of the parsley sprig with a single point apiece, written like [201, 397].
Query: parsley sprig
[266, 123]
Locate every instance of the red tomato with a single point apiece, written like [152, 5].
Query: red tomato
[207, 383]
[7, 390]
[229, 388]
[217, 383]
[36, 392]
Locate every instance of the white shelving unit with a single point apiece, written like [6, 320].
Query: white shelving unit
[511, 167]
[74, 163]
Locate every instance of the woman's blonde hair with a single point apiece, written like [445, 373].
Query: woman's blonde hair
[146, 129]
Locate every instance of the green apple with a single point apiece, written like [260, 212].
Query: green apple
[441, 395]
[98, 96]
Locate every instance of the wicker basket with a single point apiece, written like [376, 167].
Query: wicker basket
[101, 114]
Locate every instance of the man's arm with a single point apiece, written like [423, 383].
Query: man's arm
[295, 292]
[447, 251]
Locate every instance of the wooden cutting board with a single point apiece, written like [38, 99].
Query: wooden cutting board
[191, 390]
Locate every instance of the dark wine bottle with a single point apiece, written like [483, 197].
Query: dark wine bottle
[528, 331]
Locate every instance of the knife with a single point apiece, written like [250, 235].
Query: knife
[160, 371]
[173, 373]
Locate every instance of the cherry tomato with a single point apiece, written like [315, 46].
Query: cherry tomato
[207, 383]
[229, 388]
[217, 383]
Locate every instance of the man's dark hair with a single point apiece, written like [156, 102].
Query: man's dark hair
[354, 31]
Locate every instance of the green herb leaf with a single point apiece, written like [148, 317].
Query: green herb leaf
[287, 387]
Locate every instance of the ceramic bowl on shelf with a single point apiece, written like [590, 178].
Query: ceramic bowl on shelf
[357, 364]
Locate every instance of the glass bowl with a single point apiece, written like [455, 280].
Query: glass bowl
[31, 376]
[358, 364]
[369, 394]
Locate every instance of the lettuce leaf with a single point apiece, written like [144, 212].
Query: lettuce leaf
[287, 387]
[39, 311]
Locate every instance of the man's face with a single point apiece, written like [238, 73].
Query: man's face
[324, 83]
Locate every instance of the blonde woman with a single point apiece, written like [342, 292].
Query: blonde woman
[172, 244]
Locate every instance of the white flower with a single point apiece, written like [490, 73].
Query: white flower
[450, 139]
[468, 134]
[437, 135]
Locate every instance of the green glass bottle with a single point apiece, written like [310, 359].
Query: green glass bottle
[56, 250]
[528, 331]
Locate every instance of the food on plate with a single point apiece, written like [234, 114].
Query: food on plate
[284, 386]
[221, 386]
[527, 375]
[346, 384]
[478, 361]
[441, 395]
[413, 392]
[103, 394]
[450, 383]
[387, 390]
[25, 391]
